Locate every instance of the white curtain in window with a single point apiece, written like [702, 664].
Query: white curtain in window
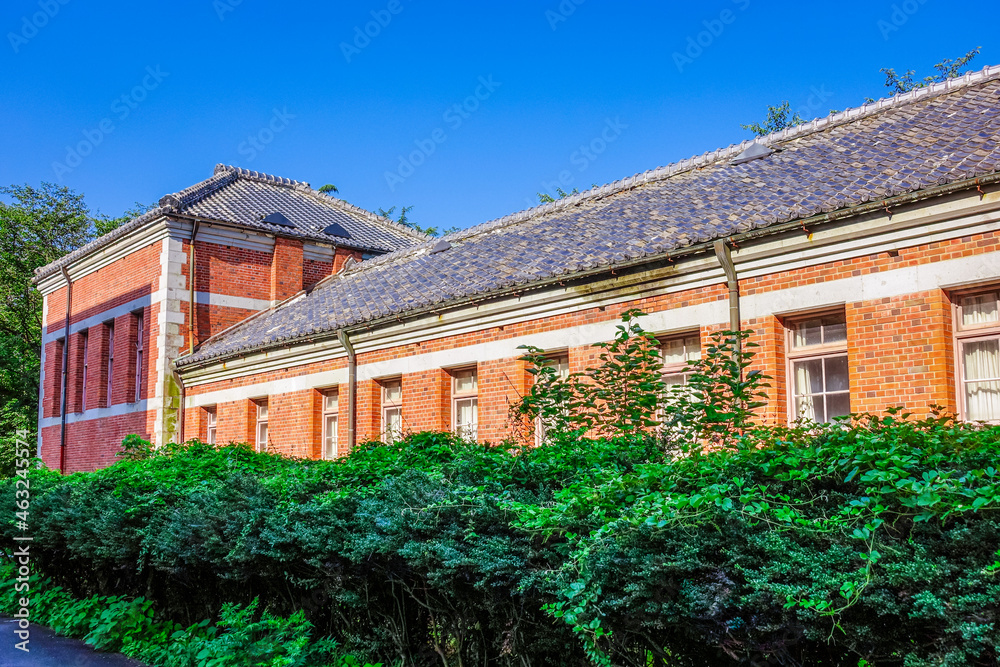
[393, 424]
[330, 442]
[262, 437]
[979, 309]
[807, 374]
[466, 417]
[981, 360]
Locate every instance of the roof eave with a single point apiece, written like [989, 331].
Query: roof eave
[670, 255]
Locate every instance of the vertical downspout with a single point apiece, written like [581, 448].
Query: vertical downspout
[191, 322]
[725, 257]
[65, 369]
[191, 332]
[352, 386]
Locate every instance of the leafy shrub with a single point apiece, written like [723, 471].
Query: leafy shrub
[827, 545]
[871, 541]
[400, 553]
[115, 623]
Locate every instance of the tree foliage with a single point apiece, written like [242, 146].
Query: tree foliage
[944, 70]
[781, 116]
[778, 118]
[242, 636]
[404, 220]
[546, 198]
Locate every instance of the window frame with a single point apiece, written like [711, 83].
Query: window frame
[387, 406]
[678, 368]
[211, 424]
[540, 428]
[459, 397]
[326, 413]
[58, 392]
[139, 355]
[85, 335]
[111, 365]
[821, 351]
[962, 334]
[262, 415]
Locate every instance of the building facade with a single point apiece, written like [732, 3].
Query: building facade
[861, 250]
[204, 260]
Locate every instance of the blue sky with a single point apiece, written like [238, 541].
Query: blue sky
[463, 110]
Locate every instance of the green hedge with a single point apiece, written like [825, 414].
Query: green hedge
[830, 546]
[242, 637]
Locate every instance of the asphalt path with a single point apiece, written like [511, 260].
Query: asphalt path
[46, 649]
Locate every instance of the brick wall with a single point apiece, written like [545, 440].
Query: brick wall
[51, 391]
[94, 443]
[131, 277]
[286, 269]
[427, 400]
[219, 270]
[97, 381]
[314, 271]
[232, 271]
[237, 421]
[369, 413]
[502, 383]
[292, 423]
[900, 351]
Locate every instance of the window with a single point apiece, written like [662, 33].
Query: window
[978, 346]
[111, 364]
[676, 353]
[331, 410]
[261, 443]
[465, 403]
[560, 364]
[820, 386]
[83, 380]
[211, 418]
[138, 358]
[392, 410]
[56, 379]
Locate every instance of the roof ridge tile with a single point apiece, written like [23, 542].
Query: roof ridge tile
[787, 134]
[357, 210]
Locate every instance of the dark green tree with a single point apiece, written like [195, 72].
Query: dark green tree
[778, 118]
[944, 70]
[404, 220]
[546, 198]
[105, 223]
[781, 116]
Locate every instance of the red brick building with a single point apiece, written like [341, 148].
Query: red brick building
[862, 250]
[204, 260]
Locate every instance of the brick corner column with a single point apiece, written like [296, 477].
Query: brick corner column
[286, 268]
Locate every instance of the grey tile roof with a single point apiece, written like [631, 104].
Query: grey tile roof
[937, 135]
[243, 198]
